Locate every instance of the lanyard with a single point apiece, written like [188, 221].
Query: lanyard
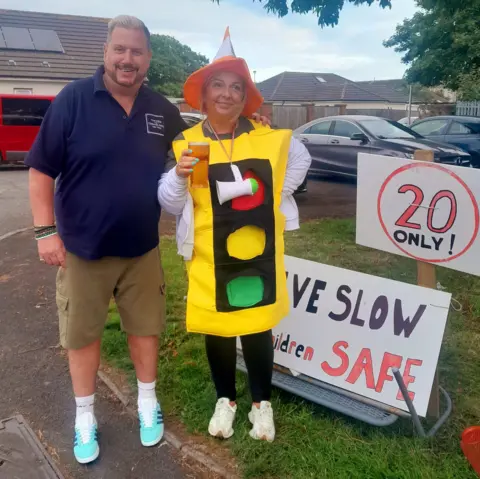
[221, 143]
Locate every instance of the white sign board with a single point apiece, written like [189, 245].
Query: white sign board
[349, 329]
[426, 211]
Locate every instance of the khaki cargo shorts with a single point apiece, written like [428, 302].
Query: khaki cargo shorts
[85, 289]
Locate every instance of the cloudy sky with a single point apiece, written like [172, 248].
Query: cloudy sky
[269, 44]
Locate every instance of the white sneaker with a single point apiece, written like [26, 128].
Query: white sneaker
[222, 419]
[262, 420]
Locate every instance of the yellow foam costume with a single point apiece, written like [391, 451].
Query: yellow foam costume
[237, 279]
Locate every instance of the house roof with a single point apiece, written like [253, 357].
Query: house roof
[397, 91]
[295, 86]
[82, 39]
[394, 91]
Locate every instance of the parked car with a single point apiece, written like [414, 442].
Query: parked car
[334, 143]
[461, 131]
[20, 120]
[406, 122]
[193, 118]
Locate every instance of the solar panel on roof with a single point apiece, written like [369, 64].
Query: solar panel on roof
[46, 40]
[17, 38]
[2, 40]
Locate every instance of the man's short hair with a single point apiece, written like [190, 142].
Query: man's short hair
[130, 23]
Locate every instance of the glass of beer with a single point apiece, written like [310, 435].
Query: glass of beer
[200, 150]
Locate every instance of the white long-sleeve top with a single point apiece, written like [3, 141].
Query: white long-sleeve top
[175, 199]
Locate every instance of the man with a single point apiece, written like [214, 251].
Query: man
[105, 140]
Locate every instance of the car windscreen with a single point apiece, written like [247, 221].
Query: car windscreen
[387, 129]
[474, 126]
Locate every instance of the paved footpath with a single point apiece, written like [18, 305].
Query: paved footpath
[35, 383]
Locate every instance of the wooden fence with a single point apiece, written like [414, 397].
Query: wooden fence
[293, 116]
[468, 108]
[288, 116]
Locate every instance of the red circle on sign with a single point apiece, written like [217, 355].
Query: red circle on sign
[453, 175]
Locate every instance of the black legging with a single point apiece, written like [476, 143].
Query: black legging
[258, 354]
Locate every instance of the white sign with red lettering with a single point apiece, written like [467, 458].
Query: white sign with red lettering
[426, 211]
[349, 329]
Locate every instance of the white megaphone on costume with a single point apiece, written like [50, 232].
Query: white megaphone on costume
[228, 190]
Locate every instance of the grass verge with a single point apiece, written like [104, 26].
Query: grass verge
[313, 442]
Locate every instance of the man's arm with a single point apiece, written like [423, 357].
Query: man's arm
[50, 249]
[41, 188]
[45, 160]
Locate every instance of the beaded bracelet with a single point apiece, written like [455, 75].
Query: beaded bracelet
[45, 235]
[45, 231]
[38, 228]
[41, 229]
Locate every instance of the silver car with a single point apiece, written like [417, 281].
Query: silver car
[334, 143]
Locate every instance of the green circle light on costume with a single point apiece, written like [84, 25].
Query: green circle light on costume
[245, 291]
[254, 184]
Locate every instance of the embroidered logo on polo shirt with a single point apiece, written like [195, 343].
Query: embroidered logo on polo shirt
[155, 125]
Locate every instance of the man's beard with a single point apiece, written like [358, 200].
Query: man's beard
[114, 75]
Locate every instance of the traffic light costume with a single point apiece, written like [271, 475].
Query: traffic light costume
[236, 276]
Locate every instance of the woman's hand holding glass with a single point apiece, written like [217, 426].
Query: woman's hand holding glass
[185, 166]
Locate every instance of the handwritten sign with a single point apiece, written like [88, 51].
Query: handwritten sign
[426, 211]
[349, 329]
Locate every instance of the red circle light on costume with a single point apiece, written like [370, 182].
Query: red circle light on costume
[246, 203]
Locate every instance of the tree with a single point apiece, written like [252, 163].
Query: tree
[172, 62]
[441, 44]
[470, 85]
[327, 11]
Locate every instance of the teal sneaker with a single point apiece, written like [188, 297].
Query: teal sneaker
[151, 422]
[85, 443]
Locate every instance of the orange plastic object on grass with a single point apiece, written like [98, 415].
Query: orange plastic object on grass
[471, 446]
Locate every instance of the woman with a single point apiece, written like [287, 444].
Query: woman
[233, 239]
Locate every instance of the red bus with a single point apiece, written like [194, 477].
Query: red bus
[20, 120]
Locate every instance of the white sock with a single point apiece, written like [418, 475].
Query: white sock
[84, 404]
[146, 391]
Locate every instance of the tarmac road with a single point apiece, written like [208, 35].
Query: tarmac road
[14, 203]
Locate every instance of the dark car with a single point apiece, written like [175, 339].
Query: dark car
[461, 131]
[191, 119]
[334, 143]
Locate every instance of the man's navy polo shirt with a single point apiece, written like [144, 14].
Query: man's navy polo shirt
[108, 166]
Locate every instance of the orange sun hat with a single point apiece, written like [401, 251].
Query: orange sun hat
[225, 61]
